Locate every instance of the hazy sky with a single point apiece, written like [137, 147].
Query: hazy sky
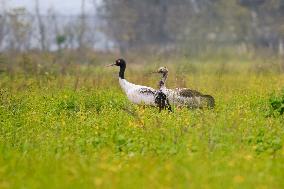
[61, 6]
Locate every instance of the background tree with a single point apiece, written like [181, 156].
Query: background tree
[3, 26]
[20, 29]
[41, 27]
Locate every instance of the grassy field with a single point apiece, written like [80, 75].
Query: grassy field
[78, 130]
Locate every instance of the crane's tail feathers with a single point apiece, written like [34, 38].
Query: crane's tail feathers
[210, 101]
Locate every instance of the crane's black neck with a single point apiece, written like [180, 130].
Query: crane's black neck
[121, 71]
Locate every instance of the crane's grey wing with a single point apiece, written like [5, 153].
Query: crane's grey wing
[189, 93]
[147, 91]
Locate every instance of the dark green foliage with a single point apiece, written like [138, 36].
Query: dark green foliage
[69, 103]
[276, 104]
[266, 142]
[60, 39]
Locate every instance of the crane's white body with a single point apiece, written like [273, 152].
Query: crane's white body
[138, 94]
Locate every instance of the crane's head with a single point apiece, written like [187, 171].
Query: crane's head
[162, 70]
[119, 62]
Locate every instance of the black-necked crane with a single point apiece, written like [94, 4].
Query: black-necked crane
[184, 96]
[139, 94]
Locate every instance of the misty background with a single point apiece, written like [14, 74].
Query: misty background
[149, 26]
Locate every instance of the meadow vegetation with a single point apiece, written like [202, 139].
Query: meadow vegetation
[69, 125]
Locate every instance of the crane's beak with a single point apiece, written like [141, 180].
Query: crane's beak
[155, 72]
[110, 65]
[150, 73]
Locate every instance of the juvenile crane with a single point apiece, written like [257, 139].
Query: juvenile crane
[139, 94]
[184, 96]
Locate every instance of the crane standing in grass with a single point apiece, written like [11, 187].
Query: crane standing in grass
[139, 94]
[184, 96]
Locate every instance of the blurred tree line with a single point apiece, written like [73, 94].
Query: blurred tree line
[195, 25]
[187, 26]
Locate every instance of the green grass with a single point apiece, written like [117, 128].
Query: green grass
[80, 131]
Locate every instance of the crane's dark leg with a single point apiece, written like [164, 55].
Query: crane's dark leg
[168, 105]
[162, 101]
